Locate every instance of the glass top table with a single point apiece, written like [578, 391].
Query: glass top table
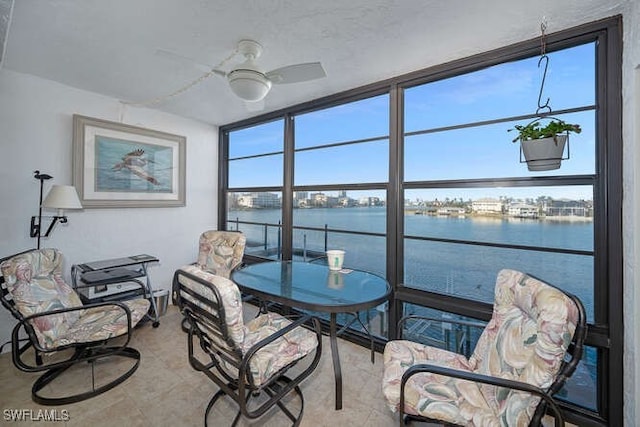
[314, 287]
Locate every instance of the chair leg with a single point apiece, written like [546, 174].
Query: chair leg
[296, 419]
[210, 406]
[54, 373]
[270, 390]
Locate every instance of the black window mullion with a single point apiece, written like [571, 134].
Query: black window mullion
[395, 209]
[223, 178]
[608, 232]
[287, 192]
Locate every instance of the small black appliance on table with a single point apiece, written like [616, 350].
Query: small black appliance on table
[115, 279]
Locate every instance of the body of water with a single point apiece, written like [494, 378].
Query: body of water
[458, 269]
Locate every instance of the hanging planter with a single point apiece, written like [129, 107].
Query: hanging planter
[543, 154]
[543, 146]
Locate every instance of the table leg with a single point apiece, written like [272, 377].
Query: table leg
[333, 339]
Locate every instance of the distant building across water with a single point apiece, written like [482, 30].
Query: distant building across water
[542, 207]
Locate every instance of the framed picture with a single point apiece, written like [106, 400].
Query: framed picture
[119, 165]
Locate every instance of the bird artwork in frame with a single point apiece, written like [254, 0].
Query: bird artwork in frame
[136, 163]
[126, 166]
[119, 165]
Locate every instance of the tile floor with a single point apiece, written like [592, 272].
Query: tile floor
[166, 391]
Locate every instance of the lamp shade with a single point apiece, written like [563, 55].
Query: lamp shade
[62, 197]
[249, 85]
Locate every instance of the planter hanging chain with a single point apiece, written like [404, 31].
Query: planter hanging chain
[543, 56]
[544, 110]
[543, 53]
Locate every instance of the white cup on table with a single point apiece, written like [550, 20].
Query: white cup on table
[335, 258]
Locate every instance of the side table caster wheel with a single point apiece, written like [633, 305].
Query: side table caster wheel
[155, 324]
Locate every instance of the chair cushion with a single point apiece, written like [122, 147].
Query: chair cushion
[229, 293]
[430, 395]
[270, 359]
[220, 251]
[34, 280]
[101, 323]
[526, 340]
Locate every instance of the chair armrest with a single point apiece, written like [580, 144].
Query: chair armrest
[271, 338]
[244, 365]
[80, 307]
[485, 379]
[24, 322]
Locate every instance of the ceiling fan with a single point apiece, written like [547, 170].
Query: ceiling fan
[249, 83]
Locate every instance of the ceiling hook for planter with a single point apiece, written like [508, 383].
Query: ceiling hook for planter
[544, 76]
[543, 27]
[543, 37]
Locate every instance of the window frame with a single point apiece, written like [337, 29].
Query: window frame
[606, 332]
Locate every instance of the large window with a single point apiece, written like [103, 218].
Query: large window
[255, 165]
[456, 146]
[341, 158]
[418, 180]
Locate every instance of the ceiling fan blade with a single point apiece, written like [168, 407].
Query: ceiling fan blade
[297, 73]
[177, 57]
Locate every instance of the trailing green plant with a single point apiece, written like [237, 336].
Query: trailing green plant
[534, 130]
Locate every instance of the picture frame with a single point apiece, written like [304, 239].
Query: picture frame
[116, 165]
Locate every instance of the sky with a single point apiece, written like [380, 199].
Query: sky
[505, 90]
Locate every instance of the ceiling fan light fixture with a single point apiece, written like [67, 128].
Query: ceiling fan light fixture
[249, 85]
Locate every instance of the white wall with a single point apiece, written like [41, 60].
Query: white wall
[631, 211]
[36, 124]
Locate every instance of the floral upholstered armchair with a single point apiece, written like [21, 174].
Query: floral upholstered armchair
[219, 252]
[52, 316]
[529, 348]
[245, 359]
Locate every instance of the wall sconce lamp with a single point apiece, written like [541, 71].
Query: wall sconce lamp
[60, 197]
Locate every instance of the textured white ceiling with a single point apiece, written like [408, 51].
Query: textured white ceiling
[110, 47]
